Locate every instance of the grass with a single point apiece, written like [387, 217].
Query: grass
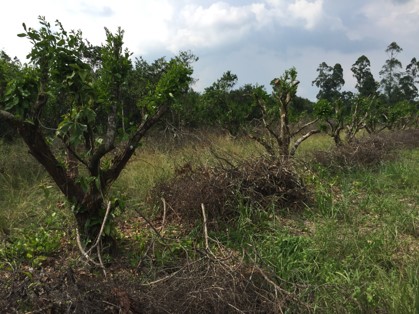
[354, 249]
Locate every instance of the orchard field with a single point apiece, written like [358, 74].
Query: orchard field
[123, 190]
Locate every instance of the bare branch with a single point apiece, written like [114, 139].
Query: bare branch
[164, 212]
[83, 252]
[204, 218]
[304, 126]
[302, 139]
[102, 227]
[149, 223]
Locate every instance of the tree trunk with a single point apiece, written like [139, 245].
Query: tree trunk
[89, 206]
[284, 133]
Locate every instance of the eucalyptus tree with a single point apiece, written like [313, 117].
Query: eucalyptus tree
[329, 81]
[408, 81]
[365, 83]
[391, 73]
[93, 147]
[330, 107]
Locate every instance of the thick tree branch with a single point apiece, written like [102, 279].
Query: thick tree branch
[39, 148]
[120, 161]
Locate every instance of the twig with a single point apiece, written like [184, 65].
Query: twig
[213, 152]
[111, 304]
[83, 252]
[164, 213]
[162, 279]
[42, 310]
[99, 256]
[204, 217]
[149, 223]
[96, 244]
[102, 227]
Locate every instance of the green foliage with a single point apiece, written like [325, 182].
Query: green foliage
[223, 106]
[324, 109]
[76, 94]
[32, 247]
[366, 84]
[286, 85]
[20, 92]
[329, 81]
[391, 74]
[173, 83]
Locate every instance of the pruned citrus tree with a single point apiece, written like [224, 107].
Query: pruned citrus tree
[281, 141]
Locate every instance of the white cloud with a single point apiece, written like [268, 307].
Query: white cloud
[217, 24]
[310, 12]
[146, 23]
[400, 19]
[221, 23]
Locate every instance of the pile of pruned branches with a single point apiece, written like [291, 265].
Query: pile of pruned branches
[259, 182]
[368, 151]
[224, 282]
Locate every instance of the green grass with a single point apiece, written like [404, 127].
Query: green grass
[33, 214]
[355, 249]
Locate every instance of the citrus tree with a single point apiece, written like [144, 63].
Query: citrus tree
[67, 105]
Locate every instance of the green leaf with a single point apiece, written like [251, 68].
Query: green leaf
[13, 103]
[21, 35]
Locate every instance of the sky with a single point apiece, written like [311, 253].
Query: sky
[256, 40]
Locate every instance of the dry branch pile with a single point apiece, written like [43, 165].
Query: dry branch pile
[210, 284]
[260, 182]
[368, 151]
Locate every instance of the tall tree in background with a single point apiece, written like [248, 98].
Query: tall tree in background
[330, 106]
[365, 82]
[391, 74]
[407, 84]
[329, 81]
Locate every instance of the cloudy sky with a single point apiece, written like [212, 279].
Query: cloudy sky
[255, 39]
